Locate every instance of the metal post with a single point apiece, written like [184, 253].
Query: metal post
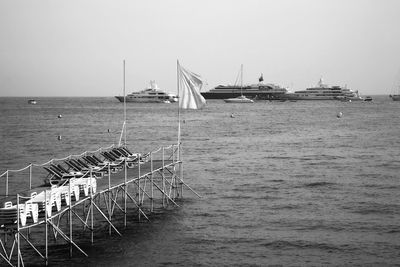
[109, 197]
[91, 206]
[18, 222]
[126, 189]
[181, 170]
[46, 228]
[152, 186]
[173, 153]
[70, 218]
[30, 176]
[139, 192]
[163, 179]
[7, 183]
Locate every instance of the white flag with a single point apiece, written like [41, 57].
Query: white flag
[189, 89]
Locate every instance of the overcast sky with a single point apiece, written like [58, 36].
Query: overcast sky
[76, 47]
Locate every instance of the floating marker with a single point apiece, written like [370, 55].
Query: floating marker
[339, 115]
[232, 116]
[59, 138]
[60, 116]
[108, 130]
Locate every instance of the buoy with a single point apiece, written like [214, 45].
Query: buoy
[59, 137]
[108, 130]
[232, 116]
[60, 116]
[339, 115]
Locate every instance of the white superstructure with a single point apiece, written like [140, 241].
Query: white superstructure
[151, 94]
[325, 92]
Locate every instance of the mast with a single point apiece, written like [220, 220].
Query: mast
[179, 112]
[124, 104]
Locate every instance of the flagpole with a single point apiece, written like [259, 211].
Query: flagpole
[179, 110]
[124, 107]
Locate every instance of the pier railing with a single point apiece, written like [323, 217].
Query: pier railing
[30, 176]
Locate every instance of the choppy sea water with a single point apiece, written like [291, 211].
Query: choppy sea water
[282, 183]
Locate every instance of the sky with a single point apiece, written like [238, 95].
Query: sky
[77, 47]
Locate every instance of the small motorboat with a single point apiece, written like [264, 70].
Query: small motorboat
[239, 99]
[368, 98]
[32, 101]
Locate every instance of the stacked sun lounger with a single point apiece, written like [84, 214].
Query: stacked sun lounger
[9, 216]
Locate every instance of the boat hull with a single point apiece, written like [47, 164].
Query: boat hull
[233, 100]
[295, 96]
[252, 95]
[143, 100]
[299, 97]
[395, 97]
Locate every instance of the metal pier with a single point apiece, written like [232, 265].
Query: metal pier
[34, 220]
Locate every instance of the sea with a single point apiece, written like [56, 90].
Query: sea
[305, 183]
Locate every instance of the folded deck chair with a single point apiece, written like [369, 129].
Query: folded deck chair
[55, 167]
[104, 164]
[116, 154]
[55, 176]
[81, 165]
[61, 170]
[73, 165]
[100, 161]
[60, 167]
[130, 160]
[91, 161]
[112, 158]
[97, 170]
[108, 156]
[100, 166]
[126, 150]
[143, 158]
[121, 152]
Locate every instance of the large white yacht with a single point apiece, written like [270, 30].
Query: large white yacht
[324, 92]
[259, 91]
[151, 94]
